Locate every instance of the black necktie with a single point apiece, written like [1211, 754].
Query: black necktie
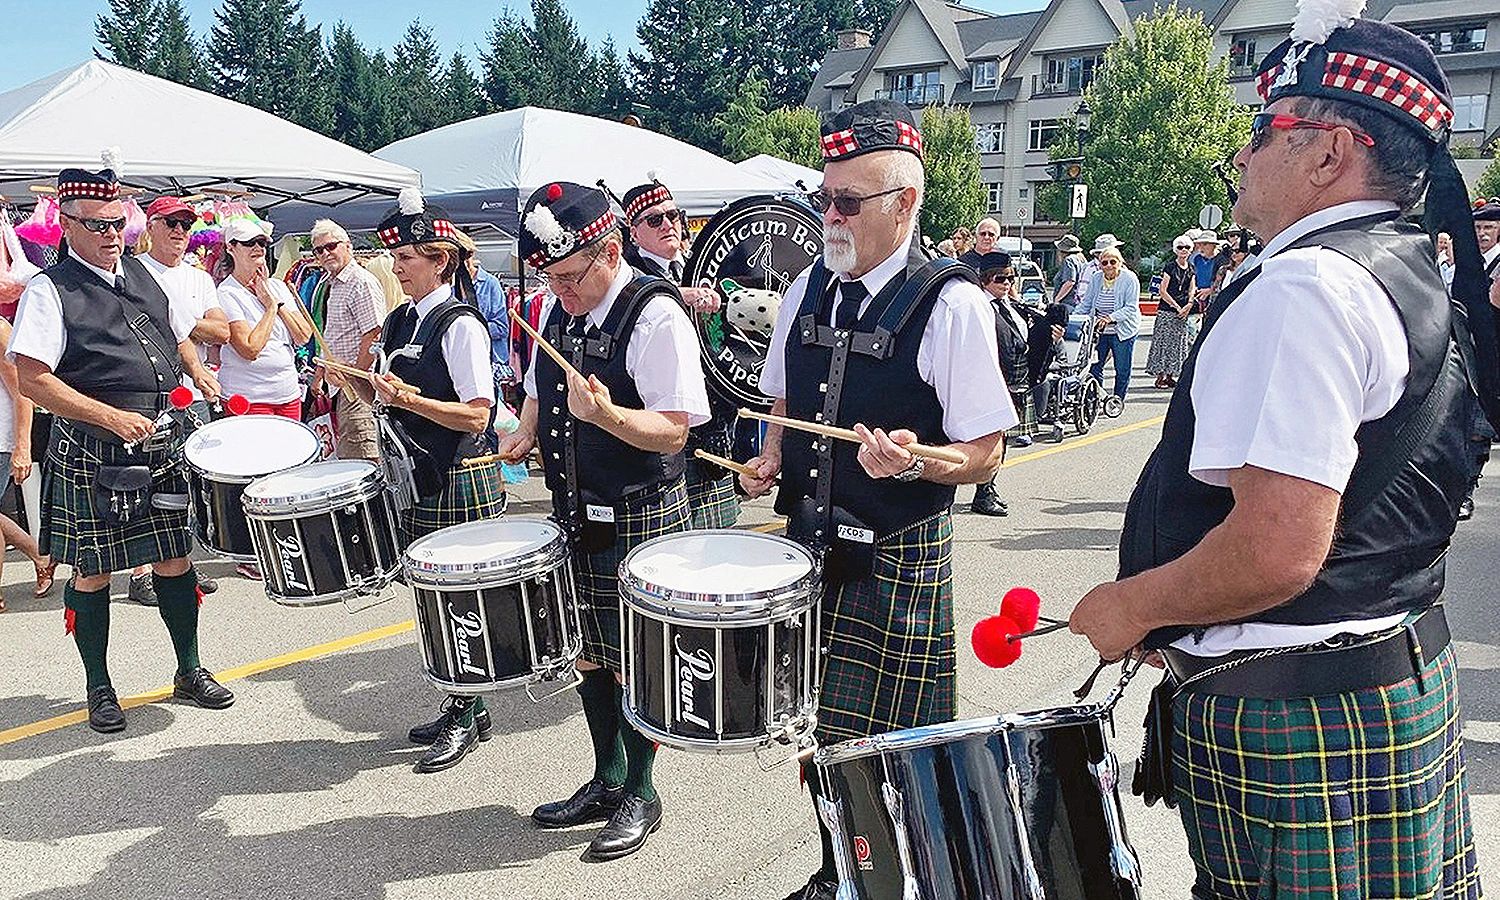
[851, 295]
[120, 284]
[676, 270]
[577, 325]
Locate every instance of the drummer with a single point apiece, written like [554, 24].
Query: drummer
[657, 246]
[614, 483]
[443, 422]
[882, 514]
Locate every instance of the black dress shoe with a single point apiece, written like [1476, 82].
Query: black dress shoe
[627, 830]
[594, 802]
[453, 743]
[818, 887]
[1466, 509]
[205, 584]
[199, 686]
[426, 734]
[988, 503]
[142, 591]
[105, 715]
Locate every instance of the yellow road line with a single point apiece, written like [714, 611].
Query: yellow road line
[237, 673]
[1084, 441]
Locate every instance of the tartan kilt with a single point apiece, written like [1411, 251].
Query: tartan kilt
[598, 574]
[1342, 796]
[713, 504]
[1025, 412]
[472, 493]
[889, 658]
[76, 536]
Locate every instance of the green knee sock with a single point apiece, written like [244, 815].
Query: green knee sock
[601, 709]
[87, 618]
[466, 707]
[640, 756]
[177, 601]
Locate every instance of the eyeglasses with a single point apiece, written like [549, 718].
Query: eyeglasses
[325, 248]
[99, 226]
[988, 234]
[655, 219]
[1109, 262]
[1261, 125]
[847, 204]
[574, 280]
[179, 224]
[253, 242]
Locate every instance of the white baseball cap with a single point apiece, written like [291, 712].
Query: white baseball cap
[244, 230]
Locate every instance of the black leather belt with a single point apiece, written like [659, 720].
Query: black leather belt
[1365, 663]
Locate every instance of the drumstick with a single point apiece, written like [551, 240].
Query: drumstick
[606, 404]
[731, 465]
[943, 454]
[347, 369]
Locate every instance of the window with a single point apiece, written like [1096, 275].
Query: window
[1071, 74]
[989, 137]
[916, 88]
[993, 191]
[1453, 38]
[1242, 58]
[1042, 133]
[986, 73]
[1468, 112]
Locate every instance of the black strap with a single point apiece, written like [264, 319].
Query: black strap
[626, 309]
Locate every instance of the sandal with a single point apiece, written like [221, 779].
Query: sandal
[44, 578]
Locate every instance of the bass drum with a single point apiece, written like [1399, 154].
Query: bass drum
[750, 252]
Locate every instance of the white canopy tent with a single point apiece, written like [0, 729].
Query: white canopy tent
[176, 138]
[783, 172]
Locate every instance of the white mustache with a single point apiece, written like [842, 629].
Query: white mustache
[837, 234]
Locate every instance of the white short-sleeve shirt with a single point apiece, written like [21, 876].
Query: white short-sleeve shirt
[1309, 351]
[272, 376]
[466, 350]
[191, 293]
[958, 355]
[661, 356]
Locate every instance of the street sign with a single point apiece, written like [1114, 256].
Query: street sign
[1080, 201]
[1210, 217]
[1023, 214]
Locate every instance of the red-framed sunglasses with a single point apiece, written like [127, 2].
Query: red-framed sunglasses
[1261, 125]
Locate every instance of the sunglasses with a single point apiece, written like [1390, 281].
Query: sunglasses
[1109, 262]
[655, 219]
[178, 224]
[847, 204]
[99, 226]
[1263, 123]
[1002, 279]
[325, 248]
[253, 242]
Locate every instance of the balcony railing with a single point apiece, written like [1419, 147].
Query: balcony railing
[1243, 71]
[1041, 87]
[921, 95]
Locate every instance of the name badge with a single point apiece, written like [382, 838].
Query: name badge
[599, 513]
[857, 535]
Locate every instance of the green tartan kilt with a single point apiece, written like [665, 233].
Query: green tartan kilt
[76, 536]
[472, 493]
[1340, 796]
[890, 662]
[713, 504]
[598, 574]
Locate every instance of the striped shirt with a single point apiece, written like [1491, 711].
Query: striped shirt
[1104, 304]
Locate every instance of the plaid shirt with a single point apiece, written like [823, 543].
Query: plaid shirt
[356, 304]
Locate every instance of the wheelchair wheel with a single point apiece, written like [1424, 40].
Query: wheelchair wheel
[1086, 410]
[1113, 406]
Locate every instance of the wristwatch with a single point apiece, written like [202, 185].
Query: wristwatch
[913, 471]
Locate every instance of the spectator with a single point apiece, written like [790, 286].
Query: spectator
[963, 240]
[356, 308]
[1067, 284]
[946, 250]
[15, 465]
[1445, 258]
[1205, 261]
[1169, 339]
[491, 297]
[998, 278]
[266, 325]
[1113, 297]
[987, 232]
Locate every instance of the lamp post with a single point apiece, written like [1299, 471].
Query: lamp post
[1082, 117]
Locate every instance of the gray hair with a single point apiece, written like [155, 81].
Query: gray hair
[327, 228]
[1398, 170]
[70, 207]
[987, 219]
[904, 171]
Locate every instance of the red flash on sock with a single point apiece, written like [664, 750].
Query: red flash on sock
[70, 620]
[198, 589]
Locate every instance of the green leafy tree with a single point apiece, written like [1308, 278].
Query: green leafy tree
[748, 129]
[1488, 183]
[690, 65]
[175, 54]
[263, 53]
[505, 60]
[360, 113]
[462, 95]
[613, 98]
[127, 33]
[788, 39]
[955, 196]
[417, 79]
[560, 59]
[1163, 116]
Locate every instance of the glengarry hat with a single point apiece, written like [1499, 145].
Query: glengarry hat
[81, 184]
[413, 221]
[644, 196]
[870, 126]
[560, 219]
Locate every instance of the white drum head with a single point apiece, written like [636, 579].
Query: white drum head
[720, 563]
[248, 446]
[478, 545]
[312, 480]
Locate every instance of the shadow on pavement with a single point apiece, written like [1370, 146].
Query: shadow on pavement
[1079, 507]
[1056, 539]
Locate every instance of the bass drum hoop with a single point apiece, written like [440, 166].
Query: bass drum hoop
[730, 610]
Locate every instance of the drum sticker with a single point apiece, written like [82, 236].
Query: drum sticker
[696, 671]
[468, 636]
[857, 535]
[293, 569]
[597, 513]
[862, 853]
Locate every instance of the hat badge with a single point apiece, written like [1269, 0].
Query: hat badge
[1295, 54]
[560, 245]
[418, 229]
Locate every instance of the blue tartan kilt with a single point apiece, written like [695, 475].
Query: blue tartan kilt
[76, 536]
[713, 504]
[890, 661]
[472, 493]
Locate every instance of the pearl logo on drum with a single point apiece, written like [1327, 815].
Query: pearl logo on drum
[466, 626]
[289, 550]
[692, 668]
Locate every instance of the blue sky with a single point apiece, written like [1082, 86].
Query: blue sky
[42, 36]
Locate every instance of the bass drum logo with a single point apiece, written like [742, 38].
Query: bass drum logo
[749, 252]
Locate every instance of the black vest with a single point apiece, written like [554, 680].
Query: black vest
[1394, 526]
[586, 465]
[879, 359]
[120, 347]
[433, 448]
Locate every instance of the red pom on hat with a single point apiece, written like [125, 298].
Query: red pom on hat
[554, 193]
[1022, 605]
[992, 643]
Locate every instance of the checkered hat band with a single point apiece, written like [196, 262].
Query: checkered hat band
[443, 228]
[1387, 83]
[839, 143]
[389, 237]
[87, 190]
[588, 233]
[908, 136]
[1264, 80]
[646, 201]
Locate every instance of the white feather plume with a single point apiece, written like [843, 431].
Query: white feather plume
[410, 201]
[1317, 19]
[111, 158]
[543, 225]
[651, 175]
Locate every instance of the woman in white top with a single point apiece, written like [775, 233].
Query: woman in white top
[15, 463]
[1113, 297]
[266, 325]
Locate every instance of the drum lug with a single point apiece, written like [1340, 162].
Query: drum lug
[1034, 889]
[828, 811]
[1122, 859]
[571, 683]
[894, 808]
[798, 733]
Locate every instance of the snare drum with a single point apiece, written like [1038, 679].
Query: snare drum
[224, 456]
[494, 603]
[323, 532]
[1015, 806]
[720, 632]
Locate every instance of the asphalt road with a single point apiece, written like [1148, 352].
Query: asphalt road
[303, 789]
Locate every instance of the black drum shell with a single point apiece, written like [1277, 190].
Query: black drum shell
[218, 515]
[325, 554]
